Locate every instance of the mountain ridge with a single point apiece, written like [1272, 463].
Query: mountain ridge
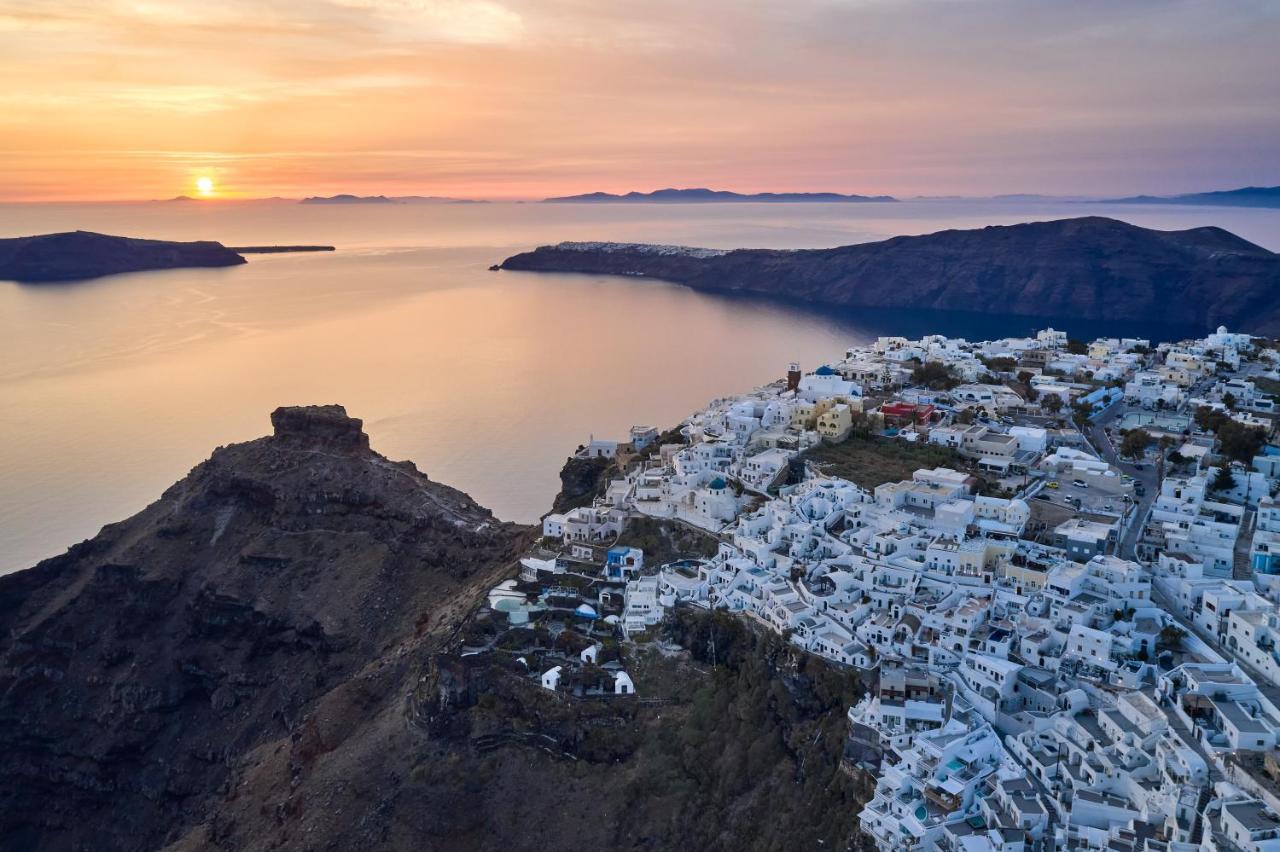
[1246, 196]
[702, 195]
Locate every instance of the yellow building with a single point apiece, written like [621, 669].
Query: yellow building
[835, 423]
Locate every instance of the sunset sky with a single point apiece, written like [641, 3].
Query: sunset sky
[135, 99]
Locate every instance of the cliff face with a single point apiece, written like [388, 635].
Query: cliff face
[82, 254]
[267, 614]
[1092, 268]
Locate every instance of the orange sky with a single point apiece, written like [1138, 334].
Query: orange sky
[134, 99]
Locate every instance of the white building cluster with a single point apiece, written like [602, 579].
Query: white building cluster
[1034, 687]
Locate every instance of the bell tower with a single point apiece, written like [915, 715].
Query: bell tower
[793, 376]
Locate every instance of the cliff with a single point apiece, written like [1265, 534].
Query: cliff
[82, 254]
[1092, 268]
[258, 625]
[270, 657]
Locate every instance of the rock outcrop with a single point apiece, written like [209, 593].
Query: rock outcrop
[321, 427]
[1088, 268]
[78, 255]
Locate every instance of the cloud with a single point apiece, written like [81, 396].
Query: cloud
[536, 97]
[459, 21]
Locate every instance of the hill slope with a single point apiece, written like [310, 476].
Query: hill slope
[82, 254]
[269, 657]
[1091, 267]
[284, 581]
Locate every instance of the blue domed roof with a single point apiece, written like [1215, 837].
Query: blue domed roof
[824, 370]
[717, 484]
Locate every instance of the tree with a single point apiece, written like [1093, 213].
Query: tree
[1229, 400]
[1135, 443]
[935, 375]
[1000, 364]
[1171, 636]
[1025, 376]
[1051, 403]
[1224, 479]
[1077, 347]
[1240, 442]
[1209, 419]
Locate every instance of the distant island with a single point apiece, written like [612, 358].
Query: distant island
[1092, 267]
[277, 249]
[76, 255]
[1248, 196]
[383, 199]
[702, 196]
[347, 199]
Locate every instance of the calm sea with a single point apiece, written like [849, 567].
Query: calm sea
[112, 389]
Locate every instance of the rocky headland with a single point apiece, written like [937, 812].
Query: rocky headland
[76, 255]
[1092, 268]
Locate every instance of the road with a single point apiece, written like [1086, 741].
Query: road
[1149, 475]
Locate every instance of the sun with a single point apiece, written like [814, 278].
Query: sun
[204, 185]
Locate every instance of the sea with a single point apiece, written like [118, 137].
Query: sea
[114, 388]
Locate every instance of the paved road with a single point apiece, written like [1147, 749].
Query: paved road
[1149, 476]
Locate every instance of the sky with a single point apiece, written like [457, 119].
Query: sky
[137, 99]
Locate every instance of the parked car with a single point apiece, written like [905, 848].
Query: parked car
[1079, 483]
[1053, 484]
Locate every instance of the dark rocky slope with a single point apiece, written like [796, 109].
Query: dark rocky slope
[77, 255]
[265, 611]
[1092, 268]
[268, 658]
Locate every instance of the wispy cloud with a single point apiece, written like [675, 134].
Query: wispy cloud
[545, 96]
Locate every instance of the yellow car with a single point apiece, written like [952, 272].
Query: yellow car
[1053, 485]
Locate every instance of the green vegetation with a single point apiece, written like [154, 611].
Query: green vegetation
[749, 726]
[1224, 479]
[1265, 385]
[871, 461]
[1239, 442]
[1077, 347]
[1000, 364]
[935, 375]
[767, 727]
[666, 541]
[1135, 443]
[1170, 637]
[1236, 441]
